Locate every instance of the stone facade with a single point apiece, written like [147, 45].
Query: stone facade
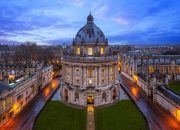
[6, 101]
[166, 64]
[89, 71]
[16, 94]
[155, 86]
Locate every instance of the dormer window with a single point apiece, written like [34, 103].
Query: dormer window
[90, 51]
[102, 50]
[78, 51]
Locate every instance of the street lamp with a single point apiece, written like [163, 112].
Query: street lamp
[135, 78]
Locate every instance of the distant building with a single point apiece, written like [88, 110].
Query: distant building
[16, 92]
[152, 74]
[6, 101]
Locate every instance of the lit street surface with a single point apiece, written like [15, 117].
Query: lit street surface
[157, 118]
[24, 119]
[90, 118]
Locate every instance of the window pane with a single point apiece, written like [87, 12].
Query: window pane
[101, 50]
[90, 51]
[78, 51]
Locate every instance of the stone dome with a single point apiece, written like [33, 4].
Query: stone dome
[90, 33]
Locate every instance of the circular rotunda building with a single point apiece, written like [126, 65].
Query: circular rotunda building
[89, 69]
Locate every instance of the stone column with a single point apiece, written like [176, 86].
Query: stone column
[108, 74]
[115, 71]
[82, 79]
[71, 74]
[85, 76]
[96, 75]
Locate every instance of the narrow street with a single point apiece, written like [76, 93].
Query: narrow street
[157, 117]
[24, 120]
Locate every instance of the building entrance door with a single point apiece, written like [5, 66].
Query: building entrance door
[90, 99]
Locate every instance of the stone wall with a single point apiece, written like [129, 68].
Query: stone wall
[168, 104]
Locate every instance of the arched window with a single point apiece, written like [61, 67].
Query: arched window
[78, 51]
[102, 50]
[114, 94]
[66, 94]
[104, 96]
[111, 70]
[90, 51]
[76, 97]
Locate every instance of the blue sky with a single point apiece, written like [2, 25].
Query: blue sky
[122, 21]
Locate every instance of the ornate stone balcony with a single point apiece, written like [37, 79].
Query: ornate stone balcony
[90, 58]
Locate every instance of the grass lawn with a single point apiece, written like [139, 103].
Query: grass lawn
[175, 86]
[57, 116]
[121, 116]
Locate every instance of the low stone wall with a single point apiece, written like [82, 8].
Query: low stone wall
[168, 104]
[160, 98]
[127, 76]
[141, 83]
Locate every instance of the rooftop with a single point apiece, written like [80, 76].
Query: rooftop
[20, 80]
[90, 33]
[4, 87]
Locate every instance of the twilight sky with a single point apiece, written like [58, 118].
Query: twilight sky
[122, 21]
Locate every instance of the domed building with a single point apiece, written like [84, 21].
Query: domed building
[89, 69]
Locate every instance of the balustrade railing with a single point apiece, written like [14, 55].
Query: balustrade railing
[90, 59]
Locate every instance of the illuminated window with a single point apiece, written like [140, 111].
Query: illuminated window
[111, 70]
[162, 69]
[4, 104]
[78, 51]
[90, 51]
[112, 78]
[101, 50]
[151, 69]
[90, 82]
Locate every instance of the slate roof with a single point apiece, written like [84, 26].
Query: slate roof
[4, 87]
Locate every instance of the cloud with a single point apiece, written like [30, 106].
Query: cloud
[101, 12]
[78, 3]
[121, 21]
[59, 20]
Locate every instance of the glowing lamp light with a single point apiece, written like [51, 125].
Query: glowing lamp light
[178, 115]
[11, 77]
[135, 77]
[46, 91]
[16, 107]
[90, 108]
[53, 85]
[134, 91]
[90, 81]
